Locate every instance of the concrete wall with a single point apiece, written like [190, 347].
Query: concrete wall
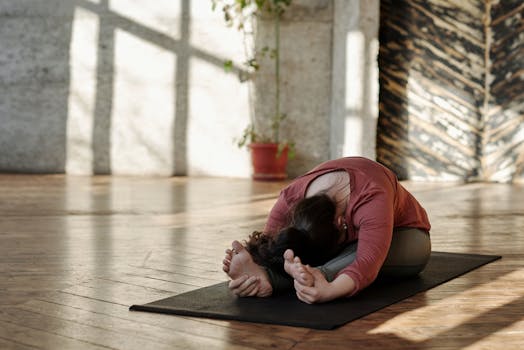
[306, 71]
[34, 75]
[125, 87]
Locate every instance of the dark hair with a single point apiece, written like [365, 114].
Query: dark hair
[312, 235]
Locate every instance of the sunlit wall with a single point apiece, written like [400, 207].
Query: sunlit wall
[355, 78]
[148, 92]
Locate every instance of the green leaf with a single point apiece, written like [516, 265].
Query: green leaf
[228, 65]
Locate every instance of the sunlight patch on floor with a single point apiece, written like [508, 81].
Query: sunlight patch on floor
[455, 310]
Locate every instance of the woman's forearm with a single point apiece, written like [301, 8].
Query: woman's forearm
[341, 286]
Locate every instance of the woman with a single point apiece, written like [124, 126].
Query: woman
[351, 218]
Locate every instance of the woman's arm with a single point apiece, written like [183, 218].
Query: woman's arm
[374, 218]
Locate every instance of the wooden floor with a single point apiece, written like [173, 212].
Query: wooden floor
[75, 252]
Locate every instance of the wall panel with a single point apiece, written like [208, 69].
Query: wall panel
[451, 89]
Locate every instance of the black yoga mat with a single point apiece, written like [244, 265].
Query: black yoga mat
[217, 302]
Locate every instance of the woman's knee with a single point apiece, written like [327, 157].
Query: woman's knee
[409, 251]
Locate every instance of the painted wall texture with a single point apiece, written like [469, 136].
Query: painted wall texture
[138, 88]
[452, 89]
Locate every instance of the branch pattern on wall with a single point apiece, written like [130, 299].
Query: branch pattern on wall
[452, 89]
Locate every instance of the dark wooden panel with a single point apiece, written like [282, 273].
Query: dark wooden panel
[504, 128]
[450, 82]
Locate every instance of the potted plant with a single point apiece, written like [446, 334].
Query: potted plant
[269, 152]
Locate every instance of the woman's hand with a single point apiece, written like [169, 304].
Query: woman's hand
[245, 286]
[318, 293]
[322, 290]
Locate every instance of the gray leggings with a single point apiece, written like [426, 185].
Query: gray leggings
[407, 256]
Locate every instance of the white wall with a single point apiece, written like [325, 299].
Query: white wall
[173, 108]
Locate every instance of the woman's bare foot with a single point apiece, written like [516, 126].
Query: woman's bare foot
[238, 264]
[227, 260]
[294, 267]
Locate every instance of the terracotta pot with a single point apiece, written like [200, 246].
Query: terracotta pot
[266, 165]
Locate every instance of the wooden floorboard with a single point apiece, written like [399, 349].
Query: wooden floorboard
[75, 252]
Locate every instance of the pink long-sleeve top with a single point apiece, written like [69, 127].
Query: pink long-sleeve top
[377, 204]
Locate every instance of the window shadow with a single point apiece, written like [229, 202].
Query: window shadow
[111, 23]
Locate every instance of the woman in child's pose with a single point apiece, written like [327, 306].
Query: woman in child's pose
[350, 218]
